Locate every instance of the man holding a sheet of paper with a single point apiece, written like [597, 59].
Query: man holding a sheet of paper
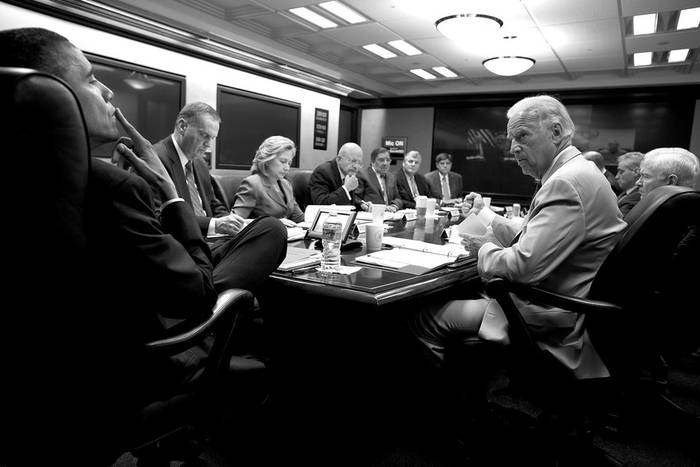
[570, 229]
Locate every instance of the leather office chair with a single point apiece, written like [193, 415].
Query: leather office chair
[299, 178]
[57, 397]
[639, 315]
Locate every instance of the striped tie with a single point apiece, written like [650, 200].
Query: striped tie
[382, 185]
[445, 187]
[194, 195]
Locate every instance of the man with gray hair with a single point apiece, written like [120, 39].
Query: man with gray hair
[335, 181]
[627, 176]
[668, 166]
[571, 227]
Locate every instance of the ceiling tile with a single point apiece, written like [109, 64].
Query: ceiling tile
[688, 39]
[551, 13]
[361, 34]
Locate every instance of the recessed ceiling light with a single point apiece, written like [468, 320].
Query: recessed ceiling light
[678, 55]
[642, 58]
[444, 71]
[313, 17]
[644, 24]
[405, 47]
[689, 18]
[342, 11]
[422, 73]
[379, 50]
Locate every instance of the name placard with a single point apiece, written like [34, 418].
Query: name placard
[395, 144]
[320, 129]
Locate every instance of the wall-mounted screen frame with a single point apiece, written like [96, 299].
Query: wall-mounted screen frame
[150, 99]
[247, 119]
[475, 134]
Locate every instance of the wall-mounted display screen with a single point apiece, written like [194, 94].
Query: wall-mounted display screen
[247, 119]
[476, 137]
[150, 99]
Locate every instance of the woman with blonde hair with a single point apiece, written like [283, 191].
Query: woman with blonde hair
[266, 192]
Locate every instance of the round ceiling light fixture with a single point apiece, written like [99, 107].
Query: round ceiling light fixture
[468, 26]
[509, 65]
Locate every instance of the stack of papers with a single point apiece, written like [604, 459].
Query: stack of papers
[414, 257]
[299, 258]
[295, 233]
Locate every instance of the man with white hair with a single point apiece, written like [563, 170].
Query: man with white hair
[335, 181]
[668, 166]
[571, 227]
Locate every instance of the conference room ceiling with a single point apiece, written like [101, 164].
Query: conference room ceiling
[575, 43]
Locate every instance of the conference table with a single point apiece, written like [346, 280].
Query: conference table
[342, 353]
[376, 286]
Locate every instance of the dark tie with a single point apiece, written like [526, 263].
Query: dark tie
[382, 185]
[194, 195]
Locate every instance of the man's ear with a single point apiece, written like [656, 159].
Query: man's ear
[557, 131]
[672, 179]
[181, 125]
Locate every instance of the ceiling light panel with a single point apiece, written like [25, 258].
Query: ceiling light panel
[342, 11]
[444, 71]
[313, 17]
[689, 18]
[642, 58]
[678, 55]
[379, 50]
[422, 73]
[405, 47]
[644, 24]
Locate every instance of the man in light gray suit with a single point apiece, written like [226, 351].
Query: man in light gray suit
[570, 229]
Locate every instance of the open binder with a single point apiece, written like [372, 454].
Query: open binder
[414, 257]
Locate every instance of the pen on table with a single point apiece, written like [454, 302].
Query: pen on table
[305, 269]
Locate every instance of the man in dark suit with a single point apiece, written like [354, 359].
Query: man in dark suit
[444, 182]
[145, 269]
[335, 181]
[409, 182]
[245, 260]
[377, 184]
[599, 161]
[627, 176]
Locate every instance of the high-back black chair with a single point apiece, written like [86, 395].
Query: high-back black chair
[59, 399]
[639, 314]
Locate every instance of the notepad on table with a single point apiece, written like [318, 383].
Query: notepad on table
[299, 258]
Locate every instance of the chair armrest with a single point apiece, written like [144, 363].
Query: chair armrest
[229, 303]
[497, 286]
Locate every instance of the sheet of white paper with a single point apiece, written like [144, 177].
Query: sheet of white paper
[472, 225]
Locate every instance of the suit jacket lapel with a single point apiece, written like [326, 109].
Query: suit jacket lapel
[177, 171]
[272, 193]
[198, 177]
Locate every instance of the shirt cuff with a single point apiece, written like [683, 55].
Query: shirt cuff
[211, 230]
[171, 201]
[347, 193]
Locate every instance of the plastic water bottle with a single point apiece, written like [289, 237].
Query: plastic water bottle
[330, 260]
